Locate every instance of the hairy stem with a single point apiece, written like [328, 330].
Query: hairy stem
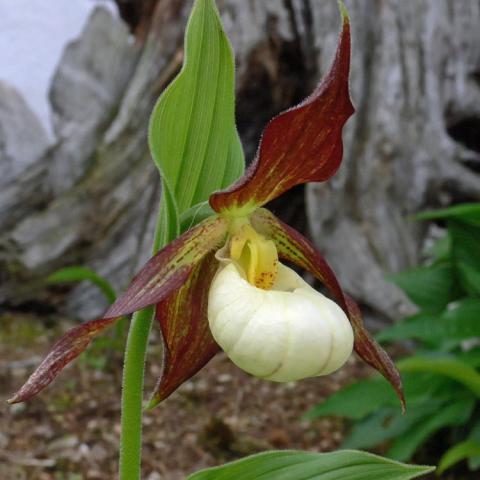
[134, 367]
[132, 394]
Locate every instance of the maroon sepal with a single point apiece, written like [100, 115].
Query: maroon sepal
[188, 342]
[303, 144]
[170, 268]
[296, 248]
[69, 347]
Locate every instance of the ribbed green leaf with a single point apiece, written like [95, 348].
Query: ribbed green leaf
[460, 321]
[80, 274]
[291, 465]
[431, 288]
[192, 136]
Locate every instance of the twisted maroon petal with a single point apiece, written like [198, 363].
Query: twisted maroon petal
[303, 144]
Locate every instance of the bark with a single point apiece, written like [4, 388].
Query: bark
[91, 198]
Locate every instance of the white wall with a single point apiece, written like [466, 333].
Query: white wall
[33, 34]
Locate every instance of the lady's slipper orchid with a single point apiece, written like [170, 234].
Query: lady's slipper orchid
[221, 281]
[285, 333]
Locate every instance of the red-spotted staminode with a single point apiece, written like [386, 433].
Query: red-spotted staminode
[222, 278]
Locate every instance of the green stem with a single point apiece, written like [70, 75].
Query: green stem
[132, 394]
[134, 367]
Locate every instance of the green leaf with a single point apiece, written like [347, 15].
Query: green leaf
[462, 451]
[168, 224]
[194, 215]
[470, 357]
[474, 461]
[355, 401]
[386, 424]
[80, 274]
[441, 249]
[449, 366]
[415, 327]
[291, 465]
[431, 287]
[467, 212]
[460, 321]
[453, 414]
[192, 135]
[367, 396]
[466, 253]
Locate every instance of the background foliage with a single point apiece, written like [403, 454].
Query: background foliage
[442, 376]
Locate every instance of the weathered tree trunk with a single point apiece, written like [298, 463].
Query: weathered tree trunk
[91, 198]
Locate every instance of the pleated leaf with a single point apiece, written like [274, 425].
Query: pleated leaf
[192, 134]
[292, 465]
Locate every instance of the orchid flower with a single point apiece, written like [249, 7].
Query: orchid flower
[220, 285]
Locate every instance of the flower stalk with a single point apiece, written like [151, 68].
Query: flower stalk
[132, 394]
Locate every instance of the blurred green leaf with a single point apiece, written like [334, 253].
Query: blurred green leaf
[431, 287]
[466, 253]
[291, 465]
[441, 249]
[358, 400]
[459, 322]
[458, 453]
[192, 135]
[450, 414]
[467, 212]
[470, 357]
[80, 274]
[355, 401]
[386, 424]
[449, 366]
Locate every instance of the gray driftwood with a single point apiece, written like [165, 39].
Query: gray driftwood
[91, 197]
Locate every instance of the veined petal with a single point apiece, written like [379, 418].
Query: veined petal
[188, 343]
[303, 144]
[170, 268]
[69, 347]
[296, 248]
[162, 275]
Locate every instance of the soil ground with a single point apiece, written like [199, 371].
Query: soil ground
[71, 430]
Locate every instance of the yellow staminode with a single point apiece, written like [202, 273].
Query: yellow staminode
[256, 255]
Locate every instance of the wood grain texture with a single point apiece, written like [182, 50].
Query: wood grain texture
[91, 199]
